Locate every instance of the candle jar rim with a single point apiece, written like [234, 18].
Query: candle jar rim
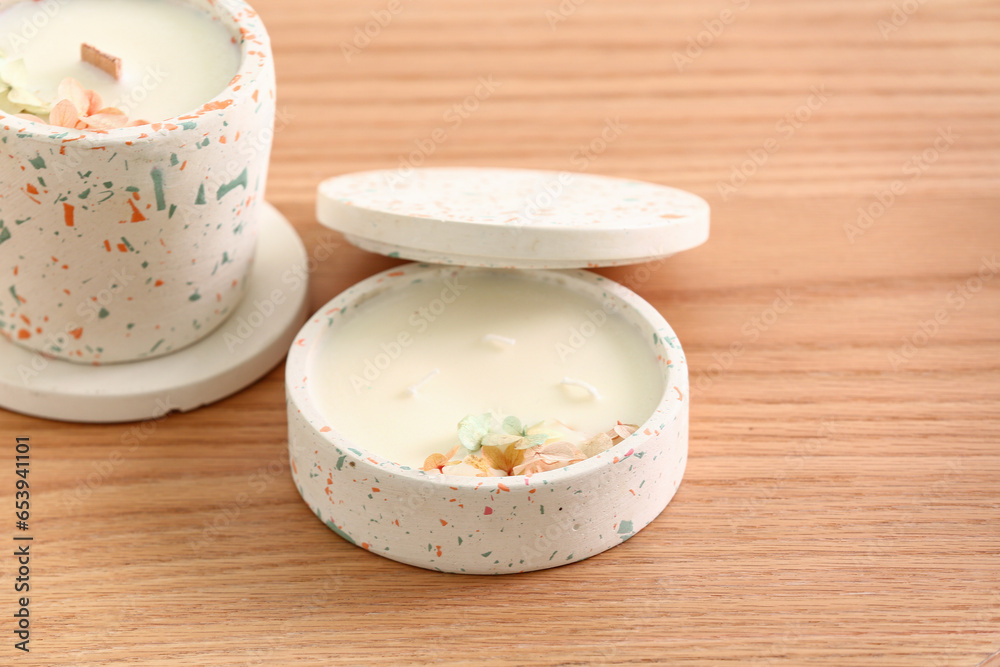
[255, 51]
[669, 352]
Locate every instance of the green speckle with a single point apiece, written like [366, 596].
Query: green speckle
[487, 554]
[459, 541]
[542, 508]
[157, 177]
[231, 185]
[127, 244]
[4, 233]
[195, 296]
[189, 125]
[173, 207]
[38, 162]
[130, 325]
[173, 160]
[331, 526]
[158, 343]
[200, 199]
[340, 461]
[103, 313]
[84, 194]
[131, 188]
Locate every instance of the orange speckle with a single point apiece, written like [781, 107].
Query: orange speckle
[680, 396]
[439, 550]
[32, 189]
[137, 215]
[216, 106]
[443, 523]
[26, 320]
[157, 283]
[107, 245]
[365, 545]
[325, 429]
[502, 486]
[222, 140]
[23, 333]
[375, 489]
[68, 214]
[255, 93]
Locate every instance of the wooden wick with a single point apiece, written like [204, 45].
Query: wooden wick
[110, 65]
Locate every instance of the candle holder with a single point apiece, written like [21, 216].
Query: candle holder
[119, 247]
[126, 244]
[487, 525]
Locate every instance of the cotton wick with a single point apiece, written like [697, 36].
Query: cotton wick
[586, 385]
[414, 388]
[496, 338]
[107, 63]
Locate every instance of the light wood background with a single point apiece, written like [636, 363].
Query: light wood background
[841, 506]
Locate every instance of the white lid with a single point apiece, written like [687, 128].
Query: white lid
[511, 218]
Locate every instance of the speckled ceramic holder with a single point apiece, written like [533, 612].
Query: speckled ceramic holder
[132, 243]
[493, 525]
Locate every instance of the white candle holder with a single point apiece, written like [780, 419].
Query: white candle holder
[454, 524]
[131, 243]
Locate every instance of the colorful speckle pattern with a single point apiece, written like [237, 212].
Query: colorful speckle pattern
[128, 244]
[512, 218]
[488, 525]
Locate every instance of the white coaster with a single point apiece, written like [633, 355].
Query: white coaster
[247, 345]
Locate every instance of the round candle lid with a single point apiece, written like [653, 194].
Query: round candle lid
[511, 218]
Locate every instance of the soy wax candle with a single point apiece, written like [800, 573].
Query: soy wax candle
[129, 243]
[405, 369]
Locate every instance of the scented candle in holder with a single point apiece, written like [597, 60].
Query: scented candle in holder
[121, 243]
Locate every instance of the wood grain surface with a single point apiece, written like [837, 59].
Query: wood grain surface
[842, 500]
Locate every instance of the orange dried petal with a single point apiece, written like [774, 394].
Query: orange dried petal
[70, 89]
[94, 102]
[107, 119]
[64, 114]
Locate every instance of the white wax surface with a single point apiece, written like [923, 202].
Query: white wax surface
[476, 376]
[174, 57]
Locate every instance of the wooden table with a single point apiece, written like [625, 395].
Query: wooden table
[842, 500]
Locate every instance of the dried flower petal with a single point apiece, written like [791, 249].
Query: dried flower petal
[106, 119]
[64, 114]
[437, 461]
[549, 457]
[599, 443]
[504, 458]
[70, 89]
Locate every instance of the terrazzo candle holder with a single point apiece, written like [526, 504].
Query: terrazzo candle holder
[128, 244]
[491, 525]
